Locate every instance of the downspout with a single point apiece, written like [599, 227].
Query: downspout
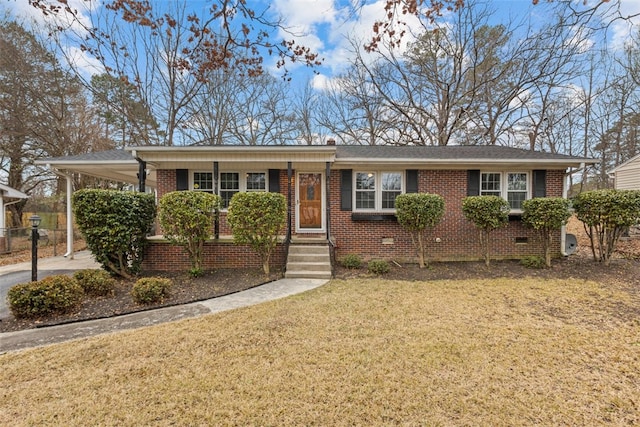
[565, 190]
[563, 229]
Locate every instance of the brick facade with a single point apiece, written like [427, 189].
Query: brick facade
[454, 238]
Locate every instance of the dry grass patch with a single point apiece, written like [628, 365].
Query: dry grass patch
[357, 352]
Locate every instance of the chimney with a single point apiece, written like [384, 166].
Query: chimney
[331, 141]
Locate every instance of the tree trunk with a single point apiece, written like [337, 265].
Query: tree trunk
[420, 250]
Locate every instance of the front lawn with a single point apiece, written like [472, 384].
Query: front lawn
[355, 352]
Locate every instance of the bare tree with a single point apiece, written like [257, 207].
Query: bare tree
[229, 35]
[354, 108]
[43, 111]
[264, 113]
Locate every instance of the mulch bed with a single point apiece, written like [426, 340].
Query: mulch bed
[623, 271]
[185, 289]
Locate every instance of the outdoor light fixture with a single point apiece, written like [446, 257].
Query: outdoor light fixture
[35, 222]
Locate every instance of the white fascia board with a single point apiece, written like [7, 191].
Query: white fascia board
[465, 162]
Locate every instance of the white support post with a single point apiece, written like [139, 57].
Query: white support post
[69, 218]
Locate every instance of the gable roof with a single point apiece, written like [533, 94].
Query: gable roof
[632, 163]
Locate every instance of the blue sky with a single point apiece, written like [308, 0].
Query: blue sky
[325, 25]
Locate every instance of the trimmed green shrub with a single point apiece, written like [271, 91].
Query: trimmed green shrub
[606, 214]
[488, 213]
[115, 225]
[533, 262]
[351, 261]
[186, 218]
[416, 213]
[546, 215]
[149, 290]
[256, 219]
[95, 282]
[378, 267]
[53, 294]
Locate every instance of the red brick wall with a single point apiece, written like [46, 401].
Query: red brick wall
[163, 256]
[454, 238]
[458, 239]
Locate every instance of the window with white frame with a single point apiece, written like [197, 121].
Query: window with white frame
[230, 183]
[517, 189]
[377, 191]
[511, 186]
[203, 181]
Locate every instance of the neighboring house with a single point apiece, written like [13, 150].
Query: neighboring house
[345, 195]
[627, 175]
[8, 196]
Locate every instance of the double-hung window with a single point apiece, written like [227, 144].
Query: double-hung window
[377, 191]
[517, 189]
[234, 182]
[511, 186]
[203, 181]
[230, 183]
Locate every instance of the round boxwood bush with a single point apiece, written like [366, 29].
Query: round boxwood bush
[149, 290]
[53, 294]
[95, 282]
[378, 267]
[351, 261]
[533, 262]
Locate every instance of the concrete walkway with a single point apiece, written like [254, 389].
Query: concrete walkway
[11, 341]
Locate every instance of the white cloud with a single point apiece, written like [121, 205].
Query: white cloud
[320, 82]
[74, 26]
[335, 29]
[622, 29]
[77, 22]
[83, 62]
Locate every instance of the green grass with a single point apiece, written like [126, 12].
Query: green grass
[358, 352]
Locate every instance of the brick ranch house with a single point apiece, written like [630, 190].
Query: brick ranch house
[342, 196]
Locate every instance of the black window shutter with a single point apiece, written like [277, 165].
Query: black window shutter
[412, 181]
[182, 179]
[473, 183]
[346, 185]
[274, 180]
[539, 183]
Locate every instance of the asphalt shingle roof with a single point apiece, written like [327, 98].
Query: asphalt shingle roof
[450, 152]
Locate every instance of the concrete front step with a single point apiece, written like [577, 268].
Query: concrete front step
[309, 266]
[307, 274]
[308, 261]
[308, 249]
[309, 258]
